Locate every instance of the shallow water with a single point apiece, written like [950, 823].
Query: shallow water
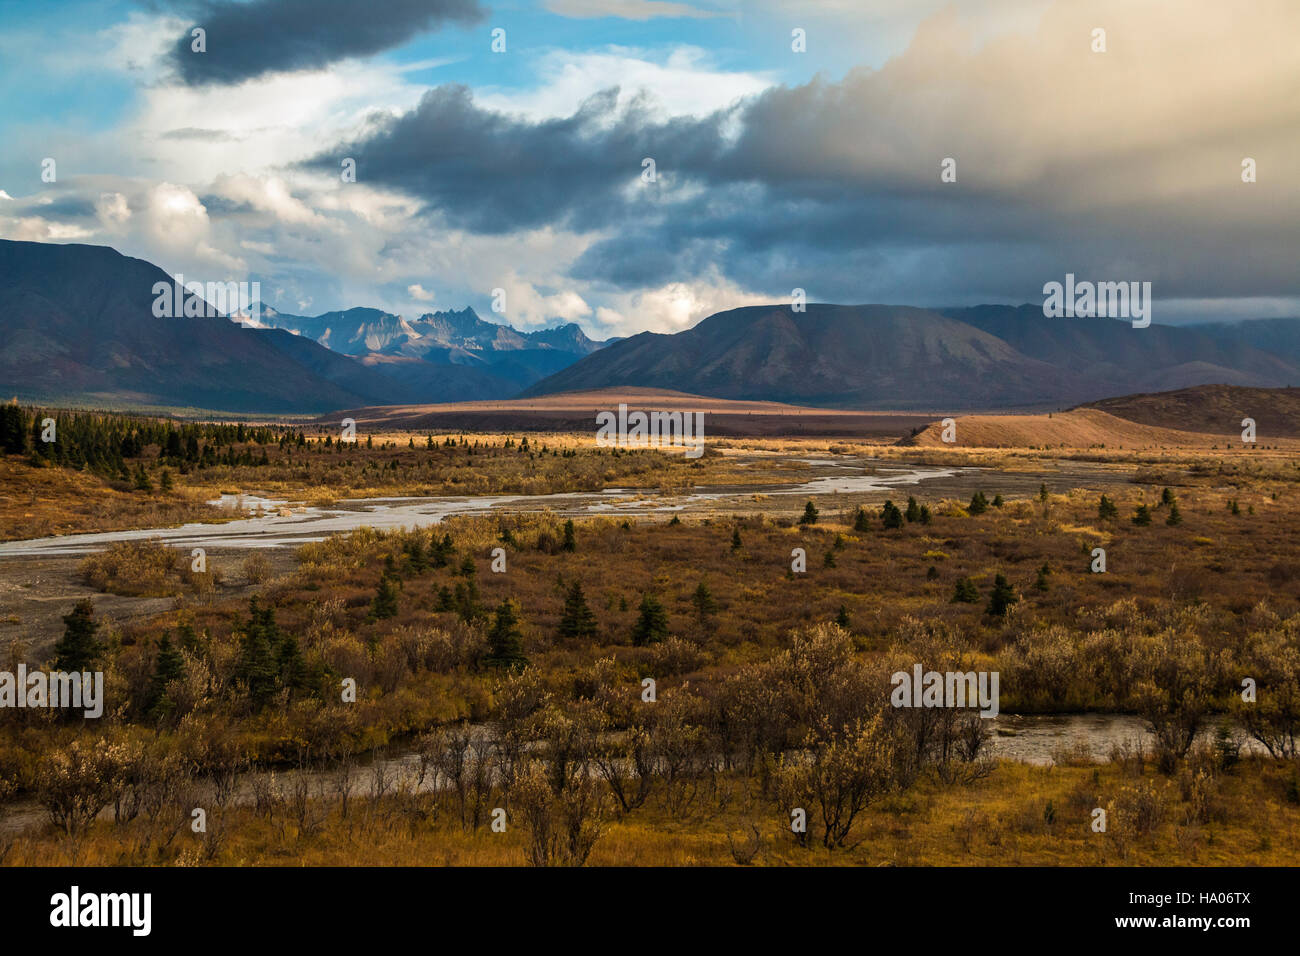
[266, 527]
[1033, 739]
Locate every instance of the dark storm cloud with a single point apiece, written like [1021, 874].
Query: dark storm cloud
[66, 208]
[835, 187]
[493, 173]
[249, 39]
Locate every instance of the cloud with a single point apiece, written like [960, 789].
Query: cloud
[1123, 164]
[251, 38]
[685, 82]
[419, 293]
[113, 211]
[489, 172]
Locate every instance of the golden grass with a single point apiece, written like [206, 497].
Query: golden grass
[1001, 820]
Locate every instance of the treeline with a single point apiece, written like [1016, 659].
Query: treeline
[104, 442]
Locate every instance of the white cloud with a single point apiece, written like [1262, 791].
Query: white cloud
[684, 83]
[674, 306]
[113, 211]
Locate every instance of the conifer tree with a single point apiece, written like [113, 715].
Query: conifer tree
[78, 649]
[652, 623]
[577, 620]
[1002, 598]
[384, 603]
[860, 520]
[255, 666]
[965, 592]
[505, 641]
[705, 605]
[169, 665]
[810, 514]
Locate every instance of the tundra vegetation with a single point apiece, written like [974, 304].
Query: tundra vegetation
[109, 472]
[655, 692]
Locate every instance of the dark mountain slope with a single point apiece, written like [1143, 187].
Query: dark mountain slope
[877, 356]
[77, 323]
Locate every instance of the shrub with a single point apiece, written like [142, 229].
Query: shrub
[133, 569]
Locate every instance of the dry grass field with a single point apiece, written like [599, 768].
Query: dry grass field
[373, 698]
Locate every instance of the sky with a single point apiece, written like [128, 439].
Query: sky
[501, 151]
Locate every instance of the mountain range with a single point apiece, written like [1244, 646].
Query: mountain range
[77, 327]
[899, 357]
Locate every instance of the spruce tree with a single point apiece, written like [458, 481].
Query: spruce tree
[78, 650]
[735, 540]
[440, 551]
[467, 602]
[652, 623]
[810, 514]
[890, 516]
[255, 665]
[1003, 597]
[570, 539]
[842, 618]
[705, 606]
[1106, 509]
[169, 665]
[577, 620]
[384, 604]
[1142, 516]
[978, 503]
[860, 520]
[1175, 516]
[965, 592]
[416, 562]
[290, 666]
[505, 641]
[913, 512]
[13, 429]
[445, 600]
